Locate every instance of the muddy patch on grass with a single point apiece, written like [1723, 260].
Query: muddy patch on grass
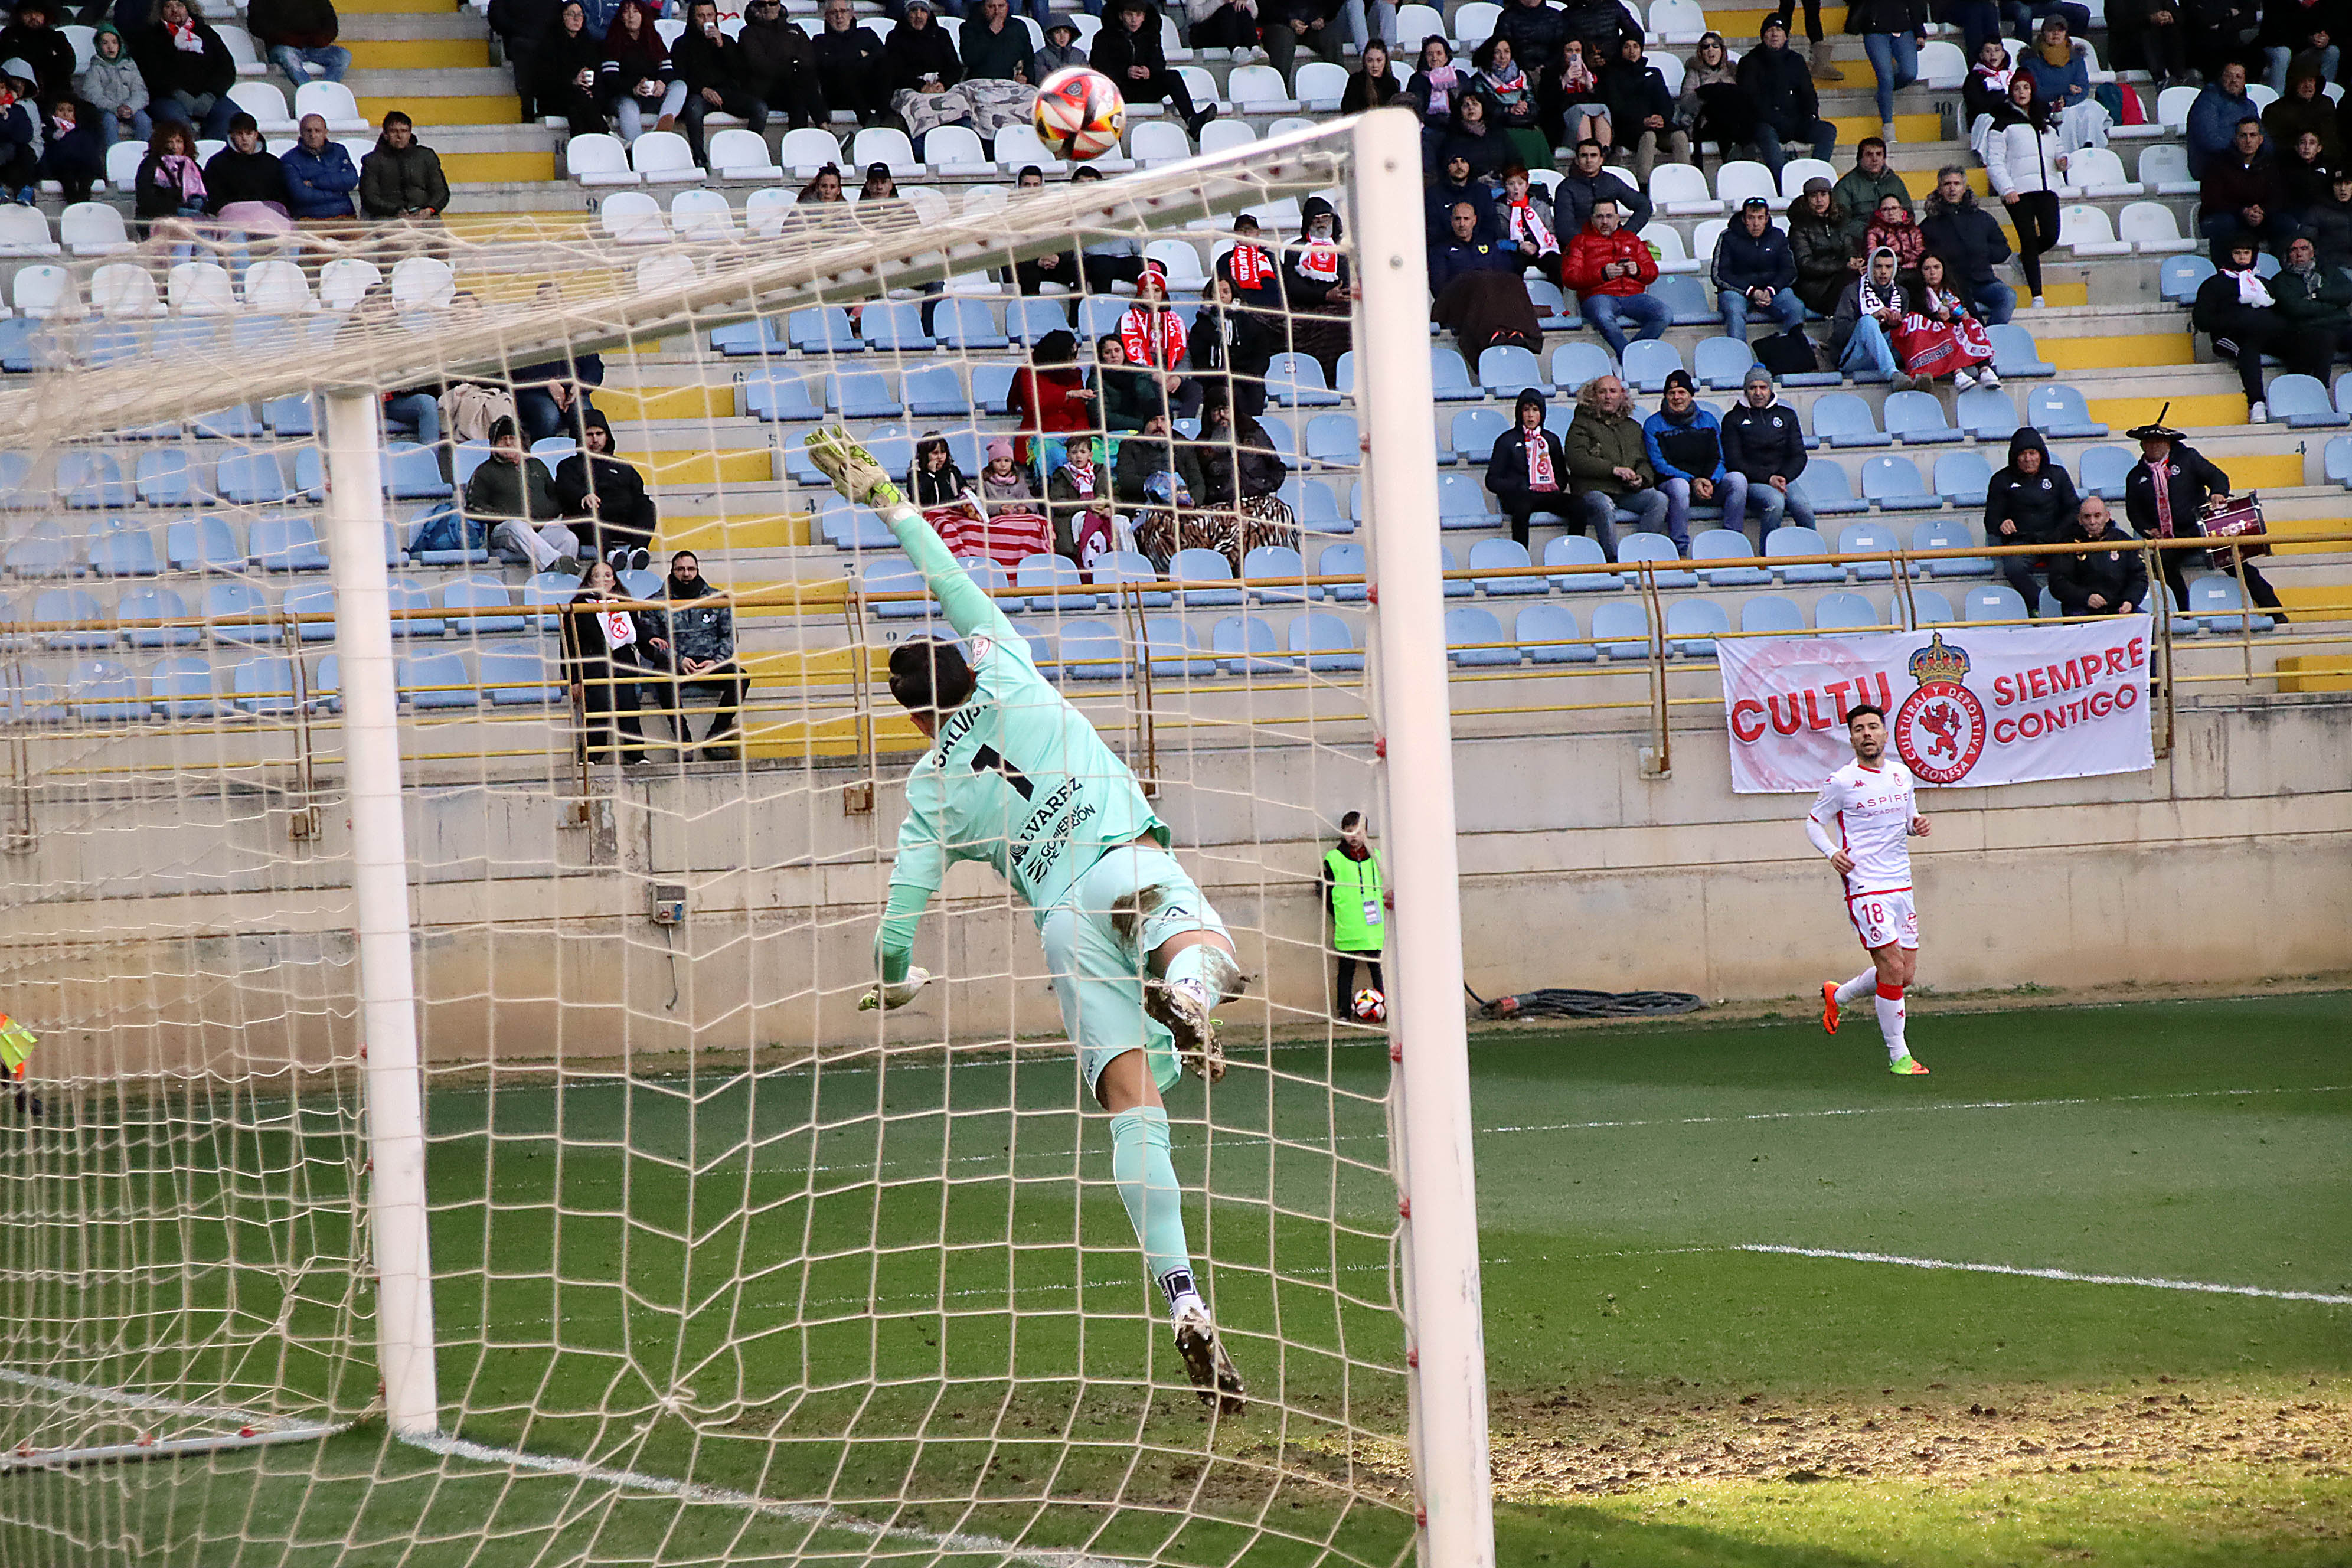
[1574, 1443]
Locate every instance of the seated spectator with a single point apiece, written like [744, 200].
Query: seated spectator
[994, 48]
[824, 188]
[1685, 446]
[2109, 581]
[170, 185]
[1528, 470]
[1510, 96]
[2241, 196]
[112, 85]
[1586, 180]
[1158, 481]
[1609, 465]
[596, 486]
[2299, 31]
[1891, 228]
[319, 174]
[636, 76]
[1611, 270]
[1457, 183]
[402, 178]
[1077, 498]
[71, 152]
[1753, 269]
[511, 494]
[934, 479]
[566, 61]
[1641, 110]
[1763, 442]
[1578, 108]
[524, 29]
[2166, 493]
[1940, 338]
[779, 65]
[2063, 81]
[1153, 335]
[1983, 93]
[1480, 291]
[1863, 188]
[2219, 30]
[1476, 141]
[2312, 303]
[2214, 117]
[2236, 309]
[1537, 31]
[551, 397]
[20, 134]
[1232, 346]
[1714, 105]
[1320, 286]
[1528, 228]
[1240, 474]
[850, 65]
[1223, 24]
[2303, 106]
[245, 183]
[1972, 244]
[1004, 483]
[1432, 92]
[1127, 51]
[2302, 178]
[298, 34]
[188, 69]
[1825, 258]
[718, 75]
[1107, 257]
[2330, 224]
[1130, 397]
[1869, 314]
[1787, 109]
[603, 656]
[1050, 397]
[2030, 501]
[1286, 26]
[692, 642]
[1060, 50]
[1250, 269]
[999, 521]
[30, 37]
[2151, 32]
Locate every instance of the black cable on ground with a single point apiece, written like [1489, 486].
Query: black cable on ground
[1562, 1002]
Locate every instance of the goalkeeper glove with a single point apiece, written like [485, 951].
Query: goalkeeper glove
[891, 997]
[851, 467]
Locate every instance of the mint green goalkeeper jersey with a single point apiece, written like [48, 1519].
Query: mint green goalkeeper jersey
[1017, 776]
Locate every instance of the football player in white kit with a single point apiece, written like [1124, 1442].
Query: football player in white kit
[1862, 823]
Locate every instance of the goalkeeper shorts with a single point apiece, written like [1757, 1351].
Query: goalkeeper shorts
[1096, 946]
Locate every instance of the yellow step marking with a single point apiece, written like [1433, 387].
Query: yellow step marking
[2192, 413]
[821, 666]
[1743, 27]
[1922, 181]
[463, 109]
[2140, 351]
[496, 168]
[699, 400]
[2314, 672]
[705, 467]
[418, 54]
[1853, 128]
[721, 533]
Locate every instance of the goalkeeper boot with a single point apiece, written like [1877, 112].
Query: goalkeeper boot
[850, 467]
[1829, 1008]
[1904, 1066]
[1212, 1369]
[1185, 1003]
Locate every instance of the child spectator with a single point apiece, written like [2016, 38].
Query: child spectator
[112, 85]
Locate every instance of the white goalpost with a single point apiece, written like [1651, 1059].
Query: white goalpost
[458, 1132]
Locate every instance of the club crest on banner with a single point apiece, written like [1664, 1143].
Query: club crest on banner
[1940, 730]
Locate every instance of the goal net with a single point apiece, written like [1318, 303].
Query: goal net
[453, 1134]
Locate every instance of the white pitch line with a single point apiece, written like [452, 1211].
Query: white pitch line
[2067, 1275]
[799, 1513]
[1930, 1106]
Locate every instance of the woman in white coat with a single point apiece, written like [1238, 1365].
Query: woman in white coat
[2024, 162]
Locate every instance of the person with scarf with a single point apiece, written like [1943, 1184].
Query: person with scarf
[1713, 104]
[994, 516]
[608, 495]
[1763, 442]
[1239, 472]
[1232, 346]
[2062, 82]
[634, 75]
[2164, 494]
[1479, 292]
[1510, 96]
[2236, 309]
[189, 69]
[2241, 196]
[1938, 337]
[603, 657]
[1320, 286]
[1891, 228]
[1372, 84]
[692, 642]
[1580, 112]
[112, 85]
[169, 183]
[1154, 338]
[1817, 238]
[1433, 91]
[1685, 445]
[1250, 269]
[2030, 501]
[30, 37]
[1077, 498]
[1158, 481]
[1642, 109]
[1526, 473]
[1004, 482]
[1050, 397]
[1869, 314]
[1527, 224]
[71, 152]
[2025, 165]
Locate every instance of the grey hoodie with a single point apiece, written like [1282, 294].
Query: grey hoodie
[1049, 59]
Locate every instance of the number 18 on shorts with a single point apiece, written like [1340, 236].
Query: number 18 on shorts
[1882, 918]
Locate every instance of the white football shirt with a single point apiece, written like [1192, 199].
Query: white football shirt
[1867, 812]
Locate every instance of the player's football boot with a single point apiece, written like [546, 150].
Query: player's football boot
[850, 467]
[1205, 1356]
[1185, 1014]
[1904, 1066]
[1829, 1008]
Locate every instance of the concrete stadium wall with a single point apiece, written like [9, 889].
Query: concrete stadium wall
[146, 934]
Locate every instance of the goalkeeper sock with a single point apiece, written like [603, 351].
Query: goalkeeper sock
[1860, 986]
[1147, 1185]
[1208, 971]
[1890, 1021]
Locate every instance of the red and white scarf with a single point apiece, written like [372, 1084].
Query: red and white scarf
[1152, 337]
[1320, 259]
[1080, 471]
[1540, 471]
[1252, 268]
[1521, 221]
[2162, 474]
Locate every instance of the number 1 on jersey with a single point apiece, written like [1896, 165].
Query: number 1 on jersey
[988, 759]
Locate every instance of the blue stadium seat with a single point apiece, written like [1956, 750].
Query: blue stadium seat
[1027, 319]
[170, 477]
[2104, 469]
[1245, 645]
[202, 543]
[2013, 354]
[967, 324]
[72, 604]
[896, 574]
[1843, 419]
[1323, 643]
[285, 544]
[1621, 628]
[236, 424]
[1099, 317]
[991, 387]
[152, 603]
[1449, 378]
[1334, 441]
[1475, 431]
[1548, 633]
[1721, 363]
[119, 549]
[406, 595]
[1554, 311]
[1963, 478]
[1828, 490]
[2179, 277]
[1727, 545]
[1491, 556]
[1846, 613]
[2219, 604]
[1691, 301]
[261, 683]
[1462, 502]
[518, 674]
[547, 592]
[184, 688]
[1054, 583]
[1659, 551]
[935, 391]
[1856, 538]
[313, 598]
[743, 340]
[1507, 368]
[1316, 506]
[862, 394]
[1343, 561]
[411, 472]
[1987, 414]
[480, 593]
[1894, 483]
[1954, 534]
[1998, 602]
[1121, 566]
[103, 692]
[45, 550]
[1474, 638]
[1272, 573]
[93, 479]
[822, 329]
[2300, 403]
[1692, 625]
[1770, 612]
[1295, 381]
[465, 457]
[1455, 587]
[436, 680]
[894, 326]
[1202, 576]
[2337, 460]
[240, 612]
[1574, 363]
[289, 416]
[2062, 412]
[1930, 608]
[1172, 646]
[1794, 541]
[1917, 419]
[779, 398]
[1648, 363]
[1579, 549]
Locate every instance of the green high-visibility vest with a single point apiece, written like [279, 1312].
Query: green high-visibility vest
[1358, 924]
[16, 1044]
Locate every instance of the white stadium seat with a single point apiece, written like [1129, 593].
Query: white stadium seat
[740, 155]
[264, 103]
[663, 157]
[93, 228]
[600, 159]
[333, 103]
[424, 280]
[343, 281]
[633, 217]
[201, 288]
[697, 213]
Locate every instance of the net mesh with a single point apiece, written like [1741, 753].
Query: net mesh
[724, 1268]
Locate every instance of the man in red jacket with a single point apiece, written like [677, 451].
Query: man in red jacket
[1609, 267]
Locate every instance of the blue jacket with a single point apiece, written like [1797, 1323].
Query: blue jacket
[1743, 261]
[1456, 259]
[2213, 124]
[1691, 450]
[2064, 85]
[319, 184]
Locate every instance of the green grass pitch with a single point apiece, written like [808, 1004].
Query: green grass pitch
[797, 1286]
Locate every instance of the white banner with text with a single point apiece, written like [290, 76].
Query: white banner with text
[1964, 705]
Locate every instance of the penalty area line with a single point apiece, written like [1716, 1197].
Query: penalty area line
[2066, 1275]
[1925, 1108]
[960, 1542]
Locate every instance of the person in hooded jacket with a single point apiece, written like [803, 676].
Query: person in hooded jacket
[2030, 501]
[693, 643]
[1817, 238]
[1062, 49]
[1763, 442]
[781, 64]
[2236, 309]
[1526, 473]
[1320, 286]
[595, 485]
[2303, 106]
[112, 85]
[31, 39]
[2329, 224]
[1641, 110]
[2303, 178]
[1685, 445]
[1232, 345]
[71, 152]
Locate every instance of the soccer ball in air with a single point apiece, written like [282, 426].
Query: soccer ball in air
[1079, 113]
[1371, 1005]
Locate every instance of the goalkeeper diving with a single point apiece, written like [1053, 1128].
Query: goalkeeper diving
[1018, 778]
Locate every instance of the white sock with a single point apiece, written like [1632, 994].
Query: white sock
[1860, 986]
[1890, 1021]
[1208, 971]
